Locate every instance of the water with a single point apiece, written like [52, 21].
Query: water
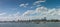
[48, 24]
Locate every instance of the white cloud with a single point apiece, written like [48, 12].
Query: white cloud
[31, 7]
[41, 9]
[42, 0]
[38, 5]
[28, 12]
[42, 12]
[10, 17]
[2, 13]
[23, 5]
[38, 2]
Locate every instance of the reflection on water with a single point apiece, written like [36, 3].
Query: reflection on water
[48, 24]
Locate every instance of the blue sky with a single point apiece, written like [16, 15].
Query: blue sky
[9, 7]
[14, 4]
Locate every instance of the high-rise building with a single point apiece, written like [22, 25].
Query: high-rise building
[45, 18]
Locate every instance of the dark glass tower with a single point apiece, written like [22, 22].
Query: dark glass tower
[45, 18]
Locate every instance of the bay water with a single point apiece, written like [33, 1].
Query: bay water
[48, 24]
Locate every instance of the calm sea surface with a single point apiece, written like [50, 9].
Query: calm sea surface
[48, 24]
